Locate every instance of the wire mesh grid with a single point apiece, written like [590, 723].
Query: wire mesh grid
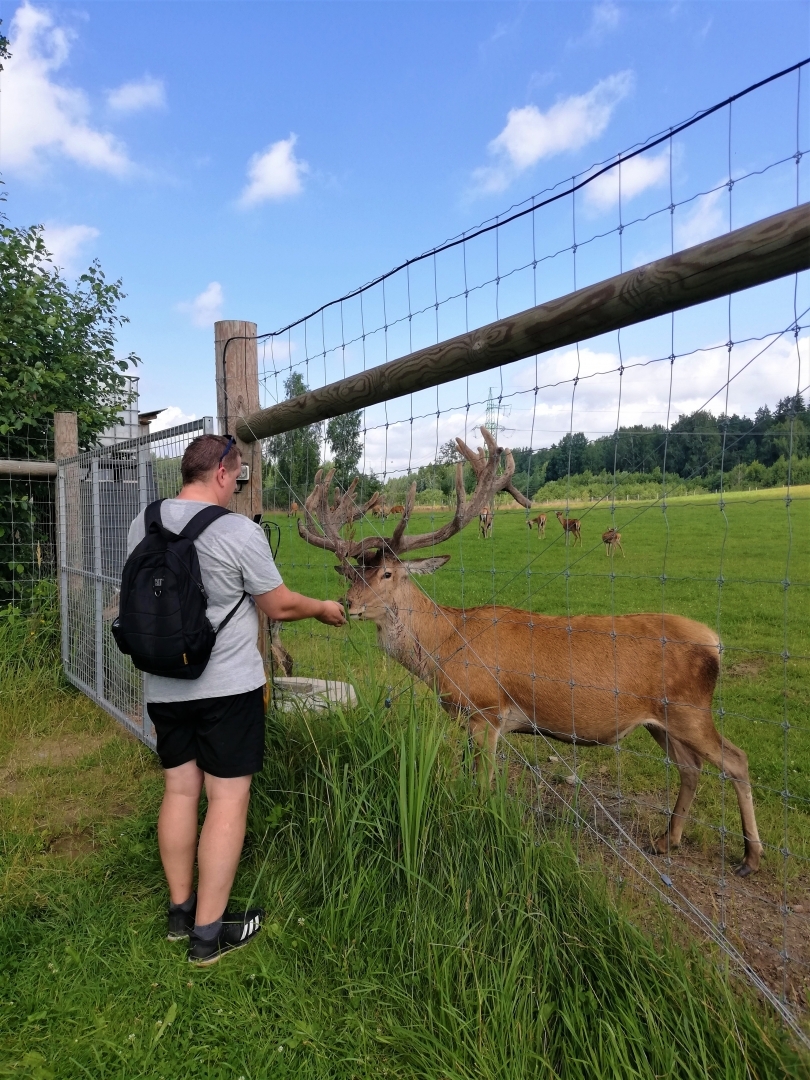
[100, 493]
[27, 524]
[687, 435]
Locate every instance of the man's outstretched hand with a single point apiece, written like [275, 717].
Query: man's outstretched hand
[333, 613]
[282, 605]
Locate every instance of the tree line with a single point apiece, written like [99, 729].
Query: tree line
[699, 450]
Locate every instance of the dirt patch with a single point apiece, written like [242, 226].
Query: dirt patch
[75, 844]
[58, 750]
[765, 917]
[55, 752]
[749, 668]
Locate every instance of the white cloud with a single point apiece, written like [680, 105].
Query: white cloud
[696, 379]
[530, 135]
[204, 310]
[274, 174]
[171, 417]
[66, 243]
[637, 174]
[705, 218]
[605, 17]
[145, 93]
[41, 117]
[393, 438]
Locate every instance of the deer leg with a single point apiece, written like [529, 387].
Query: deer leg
[485, 732]
[733, 762]
[277, 650]
[688, 763]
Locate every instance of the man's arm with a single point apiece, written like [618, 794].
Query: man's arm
[282, 605]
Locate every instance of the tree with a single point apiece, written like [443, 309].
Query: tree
[57, 351]
[295, 454]
[4, 53]
[343, 433]
[57, 346]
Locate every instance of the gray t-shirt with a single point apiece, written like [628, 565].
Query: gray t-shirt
[234, 558]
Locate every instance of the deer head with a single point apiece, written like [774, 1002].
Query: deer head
[380, 570]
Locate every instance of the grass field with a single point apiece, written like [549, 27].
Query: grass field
[674, 562]
[416, 929]
[726, 567]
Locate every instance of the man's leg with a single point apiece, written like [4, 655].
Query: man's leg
[177, 828]
[220, 846]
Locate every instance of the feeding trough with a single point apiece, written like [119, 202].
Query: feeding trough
[290, 694]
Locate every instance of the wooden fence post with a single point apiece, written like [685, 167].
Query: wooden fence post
[66, 445]
[68, 533]
[237, 375]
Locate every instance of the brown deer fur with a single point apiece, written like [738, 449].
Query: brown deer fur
[589, 679]
[570, 525]
[540, 522]
[612, 539]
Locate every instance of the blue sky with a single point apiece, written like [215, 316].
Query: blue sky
[253, 160]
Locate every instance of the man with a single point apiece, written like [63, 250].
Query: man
[210, 731]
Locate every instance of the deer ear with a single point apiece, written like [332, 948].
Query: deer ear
[346, 571]
[426, 566]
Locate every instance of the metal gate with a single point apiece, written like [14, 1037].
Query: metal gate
[100, 492]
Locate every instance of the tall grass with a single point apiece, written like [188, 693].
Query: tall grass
[418, 928]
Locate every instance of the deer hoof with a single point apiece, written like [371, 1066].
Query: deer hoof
[745, 870]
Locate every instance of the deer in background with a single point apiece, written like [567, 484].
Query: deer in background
[540, 522]
[612, 539]
[570, 526]
[588, 679]
[485, 519]
[398, 509]
[293, 510]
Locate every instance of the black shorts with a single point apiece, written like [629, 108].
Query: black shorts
[224, 735]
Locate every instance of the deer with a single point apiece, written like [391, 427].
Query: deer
[570, 525]
[540, 522]
[612, 539]
[485, 519]
[583, 679]
[293, 509]
[398, 509]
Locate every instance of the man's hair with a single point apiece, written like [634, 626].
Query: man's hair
[203, 455]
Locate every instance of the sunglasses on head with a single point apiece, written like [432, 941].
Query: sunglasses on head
[230, 443]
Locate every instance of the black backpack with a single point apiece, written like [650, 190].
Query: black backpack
[162, 622]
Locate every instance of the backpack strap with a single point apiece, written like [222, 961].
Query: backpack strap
[198, 523]
[231, 614]
[151, 517]
[201, 520]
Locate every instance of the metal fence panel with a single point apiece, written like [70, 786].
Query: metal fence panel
[100, 493]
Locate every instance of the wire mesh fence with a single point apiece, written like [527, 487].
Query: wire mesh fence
[27, 524]
[100, 492]
[685, 441]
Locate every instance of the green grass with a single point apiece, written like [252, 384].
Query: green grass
[416, 929]
[674, 562]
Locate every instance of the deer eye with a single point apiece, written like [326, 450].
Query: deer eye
[387, 573]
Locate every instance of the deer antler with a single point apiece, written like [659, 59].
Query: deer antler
[331, 519]
[478, 461]
[324, 522]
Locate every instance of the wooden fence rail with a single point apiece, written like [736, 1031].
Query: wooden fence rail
[764, 251]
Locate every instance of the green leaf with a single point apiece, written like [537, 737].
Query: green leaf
[168, 1019]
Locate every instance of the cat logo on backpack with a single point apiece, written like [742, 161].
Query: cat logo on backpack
[158, 583]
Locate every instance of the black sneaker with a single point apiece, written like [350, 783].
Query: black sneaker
[238, 928]
[181, 923]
